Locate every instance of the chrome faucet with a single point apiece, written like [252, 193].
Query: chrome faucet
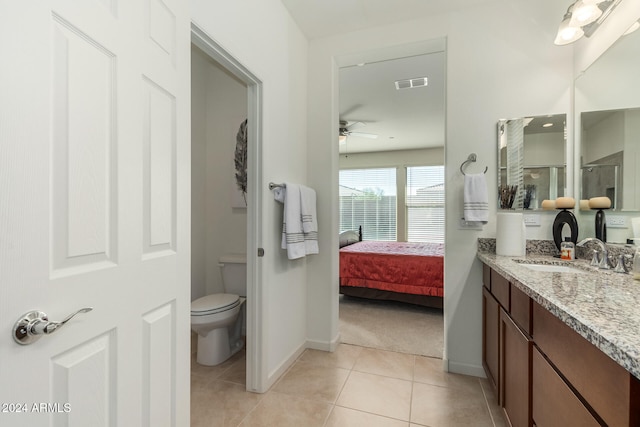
[604, 259]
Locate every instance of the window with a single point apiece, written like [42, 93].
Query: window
[368, 198]
[425, 204]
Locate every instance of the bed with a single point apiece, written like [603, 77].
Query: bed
[399, 271]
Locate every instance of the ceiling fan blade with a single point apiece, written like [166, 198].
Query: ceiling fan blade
[355, 125]
[364, 135]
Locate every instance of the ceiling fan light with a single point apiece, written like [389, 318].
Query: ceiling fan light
[342, 139]
[583, 14]
[567, 33]
[593, 1]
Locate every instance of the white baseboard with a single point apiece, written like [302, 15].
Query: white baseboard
[324, 345]
[463, 368]
[275, 375]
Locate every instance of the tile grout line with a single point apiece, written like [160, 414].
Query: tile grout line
[486, 402]
[334, 404]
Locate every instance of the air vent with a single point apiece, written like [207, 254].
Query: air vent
[411, 83]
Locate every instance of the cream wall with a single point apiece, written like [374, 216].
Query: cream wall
[218, 107]
[500, 63]
[263, 38]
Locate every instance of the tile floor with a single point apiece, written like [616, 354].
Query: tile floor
[354, 386]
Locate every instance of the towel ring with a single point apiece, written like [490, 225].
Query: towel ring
[472, 158]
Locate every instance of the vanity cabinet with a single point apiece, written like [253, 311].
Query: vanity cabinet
[507, 345]
[548, 375]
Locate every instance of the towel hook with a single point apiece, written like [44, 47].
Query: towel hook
[472, 158]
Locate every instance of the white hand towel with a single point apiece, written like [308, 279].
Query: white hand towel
[309, 219]
[292, 235]
[476, 198]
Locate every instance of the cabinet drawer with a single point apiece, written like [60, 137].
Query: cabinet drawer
[553, 402]
[611, 391]
[500, 289]
[521, 309]
[486, 276]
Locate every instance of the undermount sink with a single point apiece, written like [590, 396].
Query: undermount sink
[552, 268]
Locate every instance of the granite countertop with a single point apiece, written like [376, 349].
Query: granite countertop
[602, 306]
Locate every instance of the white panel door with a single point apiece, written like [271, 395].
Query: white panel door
[94, 212]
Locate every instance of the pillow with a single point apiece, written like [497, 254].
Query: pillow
[348, 237]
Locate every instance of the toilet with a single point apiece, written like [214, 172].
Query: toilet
[218, 319]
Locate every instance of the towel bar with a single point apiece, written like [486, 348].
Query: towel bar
[272, 186]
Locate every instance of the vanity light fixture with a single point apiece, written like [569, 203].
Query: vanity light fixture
[583, 17]
[632, 28]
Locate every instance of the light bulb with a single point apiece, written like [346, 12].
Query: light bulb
[583, 14]
[567, 33]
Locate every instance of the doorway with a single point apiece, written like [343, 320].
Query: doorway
[392, 133]
[229, 65]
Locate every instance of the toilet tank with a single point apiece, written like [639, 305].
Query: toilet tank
[234, 273]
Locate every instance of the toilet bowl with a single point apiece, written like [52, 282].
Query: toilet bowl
[218, 318]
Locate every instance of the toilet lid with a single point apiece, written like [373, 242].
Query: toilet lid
[215, 303]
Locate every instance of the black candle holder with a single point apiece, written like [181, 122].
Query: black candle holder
[568, 218]
[601, 225]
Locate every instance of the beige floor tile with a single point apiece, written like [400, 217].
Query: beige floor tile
[221, 404]
[199, 381]
[281, 410]
[386, 363]
[312, 381]
[389, 397]
[453, 407]
[344, 357]
[429, 371]
[237, 373]
[492, 402]
[341, 417]
[210, 372]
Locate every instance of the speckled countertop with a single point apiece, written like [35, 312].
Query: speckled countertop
[602, 306]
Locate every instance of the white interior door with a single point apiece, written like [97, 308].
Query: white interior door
[94, 211]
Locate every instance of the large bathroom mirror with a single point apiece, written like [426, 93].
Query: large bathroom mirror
[532, 156]
[607, 99]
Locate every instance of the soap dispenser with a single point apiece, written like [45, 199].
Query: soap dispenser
[568, 250]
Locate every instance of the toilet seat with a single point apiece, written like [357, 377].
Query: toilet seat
[213, 304]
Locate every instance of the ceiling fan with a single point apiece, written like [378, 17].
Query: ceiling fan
[346, 129]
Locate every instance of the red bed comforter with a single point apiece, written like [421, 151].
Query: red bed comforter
[410, 268]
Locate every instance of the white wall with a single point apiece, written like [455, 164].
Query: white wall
[546, 148]
[424, 157]
[500, 63]
[262, 37]
[219, 106]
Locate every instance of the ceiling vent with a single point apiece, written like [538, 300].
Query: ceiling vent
[411, 83]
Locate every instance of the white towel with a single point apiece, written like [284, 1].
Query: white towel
[295, 239]
[309, 219]
[476, 198]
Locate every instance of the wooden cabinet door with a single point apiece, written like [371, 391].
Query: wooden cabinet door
[490, 346]
[553, 402]
[515, 372]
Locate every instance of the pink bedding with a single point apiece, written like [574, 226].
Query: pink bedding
[410, 268]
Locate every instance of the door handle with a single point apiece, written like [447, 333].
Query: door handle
[34, 324]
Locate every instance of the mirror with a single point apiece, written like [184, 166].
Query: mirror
[607, 99]
[532, 155]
